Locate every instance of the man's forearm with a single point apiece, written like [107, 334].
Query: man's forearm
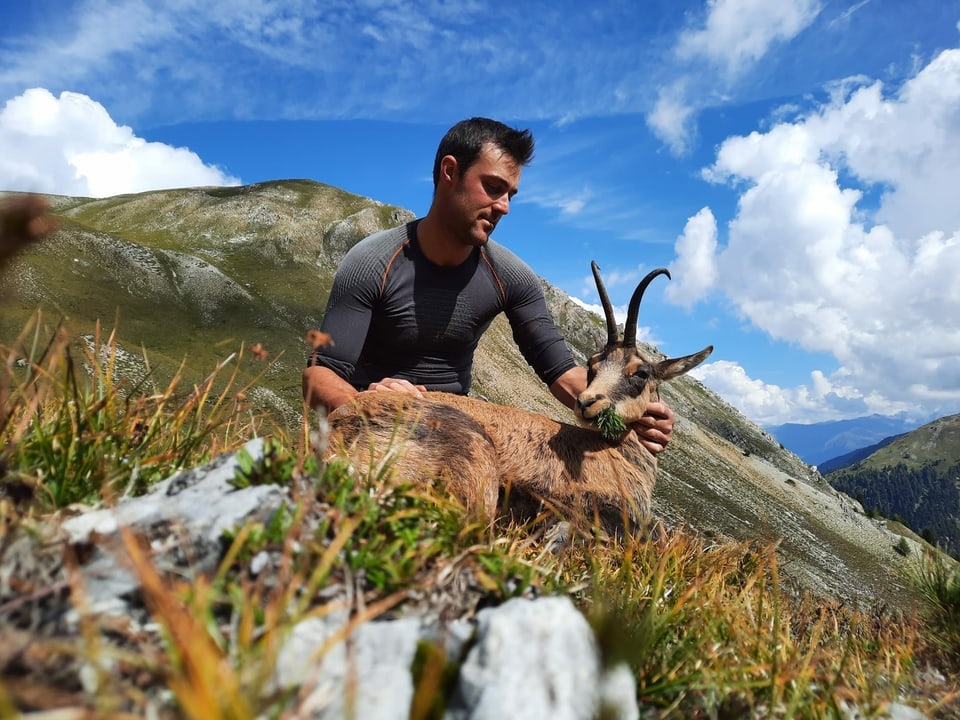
[323, 388]
[567, 387]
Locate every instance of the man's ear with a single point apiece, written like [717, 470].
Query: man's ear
[449, 169]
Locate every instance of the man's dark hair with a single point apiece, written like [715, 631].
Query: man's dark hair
[465, 140]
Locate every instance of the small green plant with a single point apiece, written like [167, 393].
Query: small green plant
[902, 547]
[709, 632]
[610, 423]
[262, 536]
[399, 531]
[276, 467]
[938, 579]
[433, 678]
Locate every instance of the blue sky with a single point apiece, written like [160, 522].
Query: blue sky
[794, 163]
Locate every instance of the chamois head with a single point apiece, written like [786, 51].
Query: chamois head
[620, 380]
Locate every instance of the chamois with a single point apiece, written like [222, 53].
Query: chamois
[480, 449]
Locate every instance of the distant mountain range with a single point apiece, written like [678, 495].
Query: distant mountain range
[816, 443]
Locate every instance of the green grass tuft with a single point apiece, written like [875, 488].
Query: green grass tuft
[938, 578]
[77, 430]
[610, 423]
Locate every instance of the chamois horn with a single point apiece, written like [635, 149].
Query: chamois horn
[612, 334]
[633, 310]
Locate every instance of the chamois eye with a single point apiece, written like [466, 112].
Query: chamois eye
[641, 375]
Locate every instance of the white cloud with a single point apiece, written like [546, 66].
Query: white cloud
[737, 33]
[734, 36]
[846, 239]
[695, 266]
[572, 206]
[91, 42]
[69, 145]
[759, 401]
[845, 16]
[768, 404]
[671, 119]
[613, 279]
[569, 202]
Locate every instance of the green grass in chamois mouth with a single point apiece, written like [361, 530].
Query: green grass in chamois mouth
[610, 424]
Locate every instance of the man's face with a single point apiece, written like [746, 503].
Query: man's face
[481, 195]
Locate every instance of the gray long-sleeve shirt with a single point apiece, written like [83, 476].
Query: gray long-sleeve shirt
[393, 313]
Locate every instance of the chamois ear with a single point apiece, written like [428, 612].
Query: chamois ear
[675, 367]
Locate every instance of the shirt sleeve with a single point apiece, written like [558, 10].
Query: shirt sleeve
[348, 314]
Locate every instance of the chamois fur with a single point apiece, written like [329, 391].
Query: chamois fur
[483, 451]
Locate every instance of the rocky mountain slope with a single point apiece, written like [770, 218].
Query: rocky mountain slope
[193, 273]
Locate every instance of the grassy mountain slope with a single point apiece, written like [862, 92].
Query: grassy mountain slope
[936, 443]
[838, 463]
[194, 273]
[915, 477]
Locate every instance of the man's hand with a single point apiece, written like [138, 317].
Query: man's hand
[655, 427]
[23, 221]
[398, 385]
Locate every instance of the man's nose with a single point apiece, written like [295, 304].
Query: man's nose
[502, 204]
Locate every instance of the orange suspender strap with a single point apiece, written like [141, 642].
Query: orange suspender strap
[386, 270]
[493, 271]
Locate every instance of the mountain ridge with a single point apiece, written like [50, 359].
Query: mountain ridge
[195, 272]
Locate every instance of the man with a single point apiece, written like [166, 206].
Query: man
[408, 305]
